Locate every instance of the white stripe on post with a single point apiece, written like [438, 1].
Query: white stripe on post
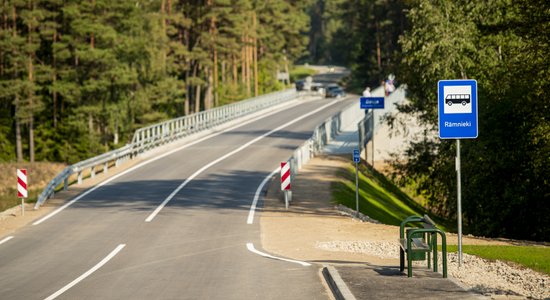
[285, 176]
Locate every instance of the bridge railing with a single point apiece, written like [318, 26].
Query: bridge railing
[322, 136]
[155, 135]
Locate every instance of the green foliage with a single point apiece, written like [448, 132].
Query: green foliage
[300, 72]
[378, 197]
[533, 257]
[360, 34]
[77, 78]
[504, 45]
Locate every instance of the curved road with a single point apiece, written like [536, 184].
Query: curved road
[121, 242]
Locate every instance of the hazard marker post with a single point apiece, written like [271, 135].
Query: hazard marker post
[22, 188]
[285, 182]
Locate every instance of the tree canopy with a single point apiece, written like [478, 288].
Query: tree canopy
[504, 46]
[77, 78]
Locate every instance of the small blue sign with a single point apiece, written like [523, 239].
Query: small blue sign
[356, 157]
[457, 107]
[372, 102]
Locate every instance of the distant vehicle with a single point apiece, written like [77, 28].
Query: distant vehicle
[299, 84]
[334, 91]
[457, 98]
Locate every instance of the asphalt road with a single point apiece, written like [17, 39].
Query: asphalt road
[111, 244]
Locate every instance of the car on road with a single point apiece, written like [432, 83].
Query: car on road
[334, 91]
[299, 84]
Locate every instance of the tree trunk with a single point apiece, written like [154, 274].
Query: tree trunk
[378, 54]
[31, 91]
[54, 78]
[198, 99]
[31, 139]
[235, 73]
[255, 53]
[208, 95]
[224, 71]
[243, 60]
[18, 142]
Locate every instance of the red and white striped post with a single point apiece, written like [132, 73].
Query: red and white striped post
[285, 182]
[22, 188]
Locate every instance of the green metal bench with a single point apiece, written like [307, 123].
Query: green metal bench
[416, 243]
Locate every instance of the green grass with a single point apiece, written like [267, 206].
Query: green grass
[300, 72]
[533, 257]
[378, 197]
[9, 199]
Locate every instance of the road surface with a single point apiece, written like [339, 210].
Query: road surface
[175, 228]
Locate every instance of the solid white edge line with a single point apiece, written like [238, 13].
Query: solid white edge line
[251, 248]
[198, 172]
[6, 239]
[88, 273]
[55, 212]
[250, 219]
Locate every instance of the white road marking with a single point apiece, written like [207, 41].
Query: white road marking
[6, 239]
[198, 172]
[251, 248]
[88, 273]
[55, 212]
[250, 219]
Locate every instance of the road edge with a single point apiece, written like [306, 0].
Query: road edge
[338, 287]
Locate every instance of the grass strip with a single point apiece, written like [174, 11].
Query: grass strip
[533, 257]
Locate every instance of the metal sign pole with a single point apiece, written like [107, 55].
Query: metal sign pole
[356, 191]
[459, 203]
[372, 138]
[286, 199]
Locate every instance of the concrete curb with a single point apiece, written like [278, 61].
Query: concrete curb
[338, 287]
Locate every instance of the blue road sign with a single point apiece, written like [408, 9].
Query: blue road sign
[356, 157]
[372, 102]
[457, 107]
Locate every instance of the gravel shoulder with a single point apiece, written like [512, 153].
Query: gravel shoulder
[312, 229]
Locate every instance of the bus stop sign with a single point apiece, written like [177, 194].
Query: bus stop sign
[457, 107]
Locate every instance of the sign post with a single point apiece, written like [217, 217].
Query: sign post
[22, 188]
[285, 182]
[372, 103]
[356, 160]
[457, 111]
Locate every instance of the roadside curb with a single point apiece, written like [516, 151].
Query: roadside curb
[338, 287]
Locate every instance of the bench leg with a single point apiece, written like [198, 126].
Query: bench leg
[409, 259]
[434, 247]
[401, 260]
[428, 254]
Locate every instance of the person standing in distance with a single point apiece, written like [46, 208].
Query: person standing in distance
[366, 92]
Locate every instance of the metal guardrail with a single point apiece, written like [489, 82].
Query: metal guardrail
[324, 133]
[322, 136]
[151, 136]
[157, 134]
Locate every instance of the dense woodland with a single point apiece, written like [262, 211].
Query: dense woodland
[504, 45]
[78, 77]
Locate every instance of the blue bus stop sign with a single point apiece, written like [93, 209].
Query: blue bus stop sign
[356, 157]
[372, 102]
[457, 107]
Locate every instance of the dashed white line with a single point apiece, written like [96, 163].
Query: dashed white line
[88, 273]
[251, 248]
[6, 239]
[250, 219]
[55, 212]
[198, 172]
